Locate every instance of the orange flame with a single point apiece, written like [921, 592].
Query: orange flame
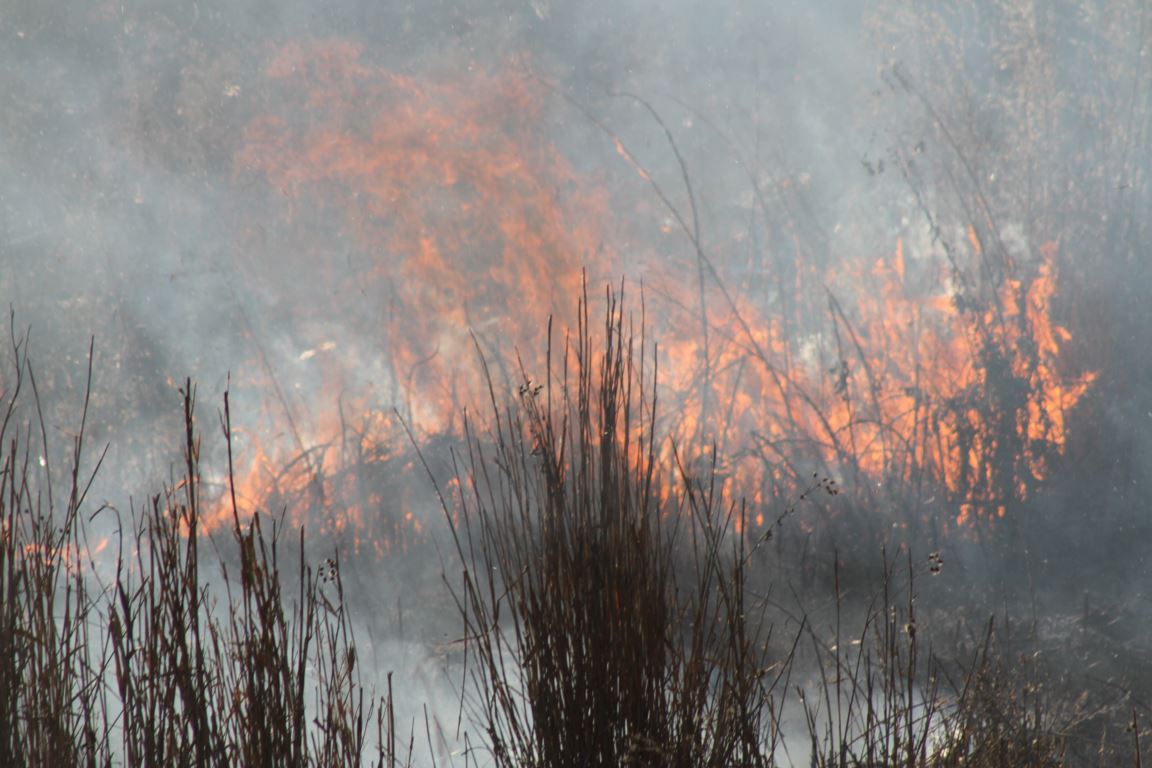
[916, 386]
[911, 390]
[476, 233]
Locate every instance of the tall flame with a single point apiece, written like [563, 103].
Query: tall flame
[476, 232]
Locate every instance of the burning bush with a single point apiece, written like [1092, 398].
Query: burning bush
[933, 380]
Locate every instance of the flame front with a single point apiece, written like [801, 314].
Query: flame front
[459, 228]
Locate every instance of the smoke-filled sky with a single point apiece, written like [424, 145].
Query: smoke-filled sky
[323, 200]
[125, 212]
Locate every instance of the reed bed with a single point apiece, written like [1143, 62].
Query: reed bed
[617, 610]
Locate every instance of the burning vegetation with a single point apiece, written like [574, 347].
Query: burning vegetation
[931, 379]
[793, 391]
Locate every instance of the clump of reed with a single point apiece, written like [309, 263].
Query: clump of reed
[52, 706]
[603, 594]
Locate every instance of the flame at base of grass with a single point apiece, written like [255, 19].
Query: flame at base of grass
[357, 486]
[920, 389]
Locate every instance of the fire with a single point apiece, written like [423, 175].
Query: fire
[469, 233]
[444, 181]
[913, 388]
[457, 228]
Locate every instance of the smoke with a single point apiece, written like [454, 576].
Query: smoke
[123, 215]
[794, 141]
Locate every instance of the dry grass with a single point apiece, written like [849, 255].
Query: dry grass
[885, 698]
[615, 614]
[604, 602]
[160, 666]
